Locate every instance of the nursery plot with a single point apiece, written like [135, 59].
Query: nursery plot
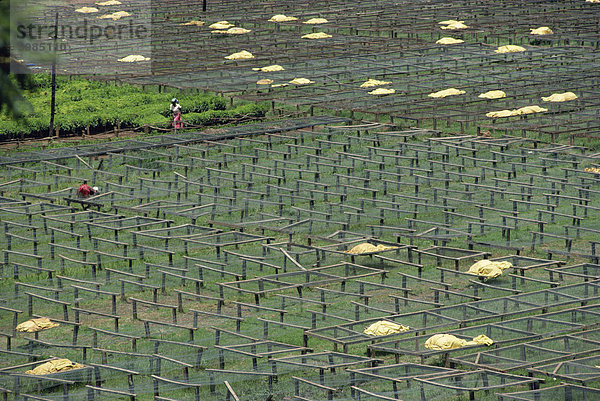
[560, 392]
[582, 271]
[521, 356]
[325, 361]
[442, 386]
[160, 287]
[500, 335]
[376, 42]
[582, 371]
[473, 382]
[353, 333]
[232, 238]
[320, 276]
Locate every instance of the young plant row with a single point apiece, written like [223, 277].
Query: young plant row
[83, 105]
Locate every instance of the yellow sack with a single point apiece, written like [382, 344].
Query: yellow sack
[278, 85]
[316, 35]
[450, 22]
[455, 25]
[316, 21]
[133, 58]
[383, 328]
[542, 30]
[282, 18]
[488, 268]
[449, 41]
[55, 366]
[448, 341]
[446, 92]
[481, 339]
[193, 22]
[115, 16]
[516, 112]
[86, 10]
[269, 68]
[588, 169]
[237, 31]
[264, 82]
[510, 49]
[501, 113]
[243, 55]
[367, 248]
[530, 109]
[109, 3]
[382, 91]
[560, 97]
[33, 325]
[301, 81]
[492, 95]
[374, 82]
[221, 25]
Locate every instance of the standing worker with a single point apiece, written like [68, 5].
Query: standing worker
[176, 111]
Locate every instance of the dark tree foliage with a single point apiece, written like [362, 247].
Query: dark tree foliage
[11, 99]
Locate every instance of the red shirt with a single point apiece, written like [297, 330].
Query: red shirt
[84, 190]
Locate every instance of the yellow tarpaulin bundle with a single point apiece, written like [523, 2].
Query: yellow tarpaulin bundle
[193, 22]
[384, 328]
[446, 92]
[382, 91]
[516, 112]
[33, 325]
[500, 113]
[243, 55]
[493, 95]
[488, 268]
[316, 21]
[374, 82]
[448, 341]
[86, 10]
[133, 58]
[55, 366]
[365, 247]
[301, 81]
[510, 49]
[542, 30]
[530, 109]
[453, 25]
[282, 18]
[221, 25]
[450, 22]
[232, 31]
[115, 16]
[109, 3]
[269, 68]
[237, 31]
[264, 82]
[449, 41]
[560, 97]
[316, 35]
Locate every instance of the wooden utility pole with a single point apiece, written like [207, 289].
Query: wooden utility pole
[53, 98]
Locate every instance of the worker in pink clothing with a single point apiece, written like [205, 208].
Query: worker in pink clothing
[176, 112]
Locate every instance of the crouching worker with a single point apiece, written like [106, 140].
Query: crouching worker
[84, 190]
